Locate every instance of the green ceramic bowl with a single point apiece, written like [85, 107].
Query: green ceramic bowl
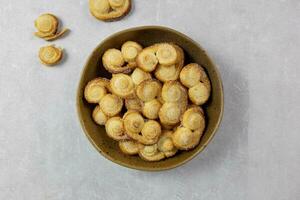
[146, 36]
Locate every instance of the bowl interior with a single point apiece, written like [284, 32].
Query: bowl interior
[147, 36]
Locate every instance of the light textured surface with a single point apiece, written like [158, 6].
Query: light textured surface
[255, 154]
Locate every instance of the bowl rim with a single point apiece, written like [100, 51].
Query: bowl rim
[161, 168]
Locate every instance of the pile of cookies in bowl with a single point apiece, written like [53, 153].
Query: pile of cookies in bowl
[152, 104]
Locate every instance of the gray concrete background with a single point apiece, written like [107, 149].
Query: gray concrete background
[255, 154]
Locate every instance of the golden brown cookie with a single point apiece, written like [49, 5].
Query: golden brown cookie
[150, 132]
[130, 51]
[185, 139]
[50, 55]
[195, 78]
[148, 90]
[138, 76]
[47, 27]
[166, 54]
[122, 85]
[147, 60]
[133, 124]
[111, 105]
[173, 91]
[151, 108]
[133, 104]
[192, 74]
[96, 89]
[166, 73]
[145, 132]
[109, 10]
[166, 145]
[99, 116]
[115, 129]
[114, 62]
[199, 94]
[193, 118]
[150, 153]
[170, 113]
[129, 147]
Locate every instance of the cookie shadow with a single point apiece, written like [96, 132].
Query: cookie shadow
[131, 11]
[64, 59]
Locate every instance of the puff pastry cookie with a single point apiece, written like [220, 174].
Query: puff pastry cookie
[138, 76]
[96, 89]
[166, 73]
[162, 53]
[122, 85]
[193, 118]
[133, 124]
[99, 116]
[185, 139]
[150, 132]
[50, 55]
[111, 105]
[115, 129]
[173, 91]
[151, 108]
[148, 90]
[195, 78]
[166, 145]
[114, 62]
[190, 75]
[133, 104]
[166, 54]
[47, 27]
[188, 135]
[109, 10]
[170, 113]
[199, 94]
[130, 51]
[150, 152]
[145, 132]
[174, 96]
[147, 59]
[129, 147]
